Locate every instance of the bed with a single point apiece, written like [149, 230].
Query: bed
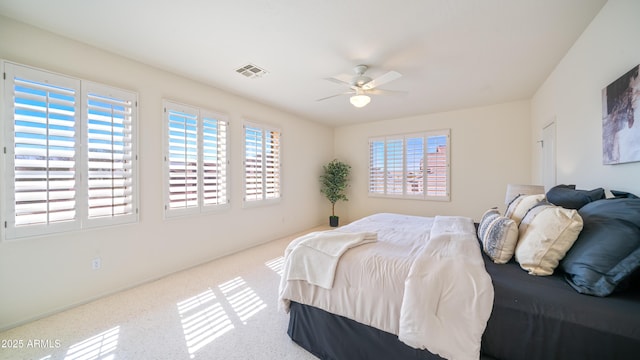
[531, 317]
[430, 294]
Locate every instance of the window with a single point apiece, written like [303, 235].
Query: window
[412, 166]
[55, 183]
[195, 160]
[261, 163]
[109, 152]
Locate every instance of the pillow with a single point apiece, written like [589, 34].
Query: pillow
[607, 251]
[570, 198]
[500, 238]
[546, 233]
[519, 206]
[486, 219]
[623, 194]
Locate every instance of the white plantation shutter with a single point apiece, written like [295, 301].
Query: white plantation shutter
[262, 146]
[376, 166]
[437, 167]
[272, 164]
[42, 139]
[253, 167]
[182, 157]
[195, 160]
[410, 166]
[214, 160]
[52, 184]
[395, 166]
[414, 184]
[110, 153]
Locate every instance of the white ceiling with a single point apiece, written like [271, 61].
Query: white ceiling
[452, 53]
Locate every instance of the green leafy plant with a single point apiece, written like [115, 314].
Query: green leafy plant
[334, 182]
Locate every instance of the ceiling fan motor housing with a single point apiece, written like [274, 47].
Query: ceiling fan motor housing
[360, 79]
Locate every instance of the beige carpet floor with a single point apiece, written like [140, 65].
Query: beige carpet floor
[225, 309]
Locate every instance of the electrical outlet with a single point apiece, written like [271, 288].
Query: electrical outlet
[96, 263]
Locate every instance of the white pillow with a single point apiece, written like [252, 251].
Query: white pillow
[546, 233]
[500, 238]
[519, 206]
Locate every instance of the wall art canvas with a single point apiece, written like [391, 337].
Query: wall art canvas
[621, 119]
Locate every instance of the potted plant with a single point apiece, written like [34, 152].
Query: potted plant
[333, 184]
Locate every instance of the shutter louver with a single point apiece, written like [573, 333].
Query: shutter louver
[183, 159]
[109, 156]
[44, 153]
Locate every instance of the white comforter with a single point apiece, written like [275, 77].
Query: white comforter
[423, 280]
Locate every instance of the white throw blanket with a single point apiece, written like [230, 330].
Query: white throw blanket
[314, 257]
[448, 293]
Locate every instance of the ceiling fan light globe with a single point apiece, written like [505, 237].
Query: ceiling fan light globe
[360, 100]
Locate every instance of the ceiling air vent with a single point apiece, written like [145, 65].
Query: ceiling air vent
[251, 71]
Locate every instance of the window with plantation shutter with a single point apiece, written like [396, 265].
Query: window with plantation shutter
[395, 165]
[412, 166]
[437, 166]
[52, 185]
[195, 160]
[376, 166]
[110, 153]
[261, 163]
[214, 160]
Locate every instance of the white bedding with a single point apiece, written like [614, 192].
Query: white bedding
[423, 280]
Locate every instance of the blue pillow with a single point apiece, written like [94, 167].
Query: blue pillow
[570, 198]
[607, 250]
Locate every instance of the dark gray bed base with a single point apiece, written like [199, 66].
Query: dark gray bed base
[533, 318]
[333, 337]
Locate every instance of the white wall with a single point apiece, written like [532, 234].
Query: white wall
[490, 147]
[572, 95]
[45, 274]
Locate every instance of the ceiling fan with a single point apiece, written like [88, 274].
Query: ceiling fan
[361, 85]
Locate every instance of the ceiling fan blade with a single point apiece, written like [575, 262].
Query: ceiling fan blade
[383, 79]
[332, 96]
[341, 79]
[344, 78]
[385, 92]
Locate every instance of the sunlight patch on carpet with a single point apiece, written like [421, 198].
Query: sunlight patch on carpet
[101, 346]
[276, 265]
[213, 312]
[203, 320]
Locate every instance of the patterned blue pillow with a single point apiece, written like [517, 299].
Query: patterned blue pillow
[500, 238]
[486, 219]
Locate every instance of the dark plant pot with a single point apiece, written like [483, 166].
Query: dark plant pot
[333, 221]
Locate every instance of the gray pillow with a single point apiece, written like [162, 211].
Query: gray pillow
[607, 250]
[570, 198]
